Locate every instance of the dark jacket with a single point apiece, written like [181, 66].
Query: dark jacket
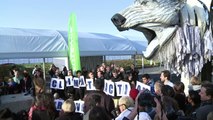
[69, 116]
[205, 108]
[42, 115]
[106, 101]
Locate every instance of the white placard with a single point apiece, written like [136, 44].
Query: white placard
[76, 82]
[82, 82]
[79, 105]
[58, 104]
[69, 81]
[141, 86]
[122, 88]
[109, 87]
[57, 83]
[90, 84]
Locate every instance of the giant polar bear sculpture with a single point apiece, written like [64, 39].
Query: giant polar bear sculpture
[178, 32]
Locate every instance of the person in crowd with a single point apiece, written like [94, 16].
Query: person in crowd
[79, 92]
[104, 65]
[26, 82]
[38, 73]
[194, 103]
[133, 93]
[34, 69]
[102, 68]
[130, 80]
[37, 104]
[148, 81]
[90, 75]
[45, 110]
[146, 103]
[112, 66]
[58, 75]
[70, 91]
[90, 101]
[68, 109]
[195, 84]
[180, 96]
[167, 90]
[52, 70]
[165, 78]
[106, 101]
[84, 72]
[100, 75]
[39, 85]
[108, 73]
[139, 110]
[11, 86]
[64, 71]
[157, 87]
[122, 73]
[170, 106]
[206, 97]
[115, 77]
[57, 97]
[134, 72]
[3, 87]
[17, 79]
[98, 113]
[125, 106]
[97, 68]
[160, 113]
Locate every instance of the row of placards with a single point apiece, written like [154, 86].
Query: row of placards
[122, 88]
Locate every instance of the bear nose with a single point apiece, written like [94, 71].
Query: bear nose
[118, 19]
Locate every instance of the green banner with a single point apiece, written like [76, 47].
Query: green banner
[73, 48]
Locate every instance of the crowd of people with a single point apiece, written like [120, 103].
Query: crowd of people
[164, 101]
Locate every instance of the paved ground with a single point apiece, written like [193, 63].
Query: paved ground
[15, 102]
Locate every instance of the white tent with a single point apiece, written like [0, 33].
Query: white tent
[39, 43]
[29, 43]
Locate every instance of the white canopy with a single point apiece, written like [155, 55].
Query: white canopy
[39, 43]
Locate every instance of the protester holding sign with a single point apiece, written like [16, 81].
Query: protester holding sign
[109, 87]
[148, 81]
[106, 100]
[90, 85]
[58, 83]
[122, 88]
[80, 85]
[115, 77]
[58, 102]
[68, 109]
[69, 85]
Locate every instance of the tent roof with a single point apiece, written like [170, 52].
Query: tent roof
[40, 43]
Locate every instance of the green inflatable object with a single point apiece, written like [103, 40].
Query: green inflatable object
[73, 48]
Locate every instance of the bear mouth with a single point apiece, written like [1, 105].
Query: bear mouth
[156, 35]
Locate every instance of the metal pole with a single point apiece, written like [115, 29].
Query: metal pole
[142, 65]
[44, 71]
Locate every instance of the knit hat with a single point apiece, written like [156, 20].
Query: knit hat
[133, 93]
